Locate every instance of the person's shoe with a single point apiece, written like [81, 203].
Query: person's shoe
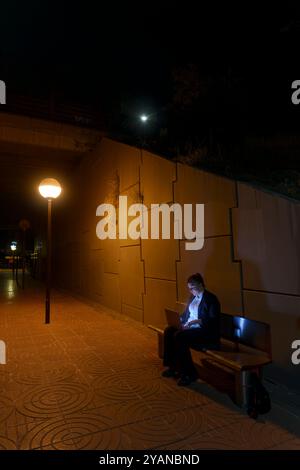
[186, 380]
[169, 373]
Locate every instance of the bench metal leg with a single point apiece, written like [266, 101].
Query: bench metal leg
[241, 388]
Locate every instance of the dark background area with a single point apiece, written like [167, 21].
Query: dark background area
[129, 50]
[214, 79]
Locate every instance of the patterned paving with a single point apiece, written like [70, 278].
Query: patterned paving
[91, 380]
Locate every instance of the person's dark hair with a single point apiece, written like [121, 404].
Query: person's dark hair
[196, 280]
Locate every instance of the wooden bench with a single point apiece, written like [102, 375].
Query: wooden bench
[245, 348]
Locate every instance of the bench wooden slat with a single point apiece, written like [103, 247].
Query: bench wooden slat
[239, 360]
[156, 329]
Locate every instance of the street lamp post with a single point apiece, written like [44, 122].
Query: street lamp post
[50, 189]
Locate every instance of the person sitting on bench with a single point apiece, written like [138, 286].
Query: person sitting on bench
[200, 329]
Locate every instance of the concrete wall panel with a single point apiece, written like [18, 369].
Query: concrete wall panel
[216, 219]
[160, 258]
[157, 176]
[195, 185]
[130, 160]
[218, 194]
[133, 312]
[249, 244]
[221, 275]
[131, 276]
[112, 291]
[111, 255]
[159, 295]
[133, 197]
[97, 272]
[267, 242]
[282, 312]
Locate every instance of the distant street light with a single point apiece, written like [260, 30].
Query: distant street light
[144, 118]
[13, 248]
[50, 189]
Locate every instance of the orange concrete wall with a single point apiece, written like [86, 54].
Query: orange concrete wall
[250, 258]
[266, 241]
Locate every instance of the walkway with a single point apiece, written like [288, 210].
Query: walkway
[91, 380]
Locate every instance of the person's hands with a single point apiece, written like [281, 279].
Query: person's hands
[190, 323]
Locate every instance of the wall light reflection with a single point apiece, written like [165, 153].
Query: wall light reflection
[10, 289]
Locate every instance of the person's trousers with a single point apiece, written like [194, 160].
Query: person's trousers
[177, 344]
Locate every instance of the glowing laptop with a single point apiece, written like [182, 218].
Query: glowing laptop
[173, 318]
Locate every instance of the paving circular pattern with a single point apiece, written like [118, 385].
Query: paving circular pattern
[6, 408]
[151, 433]
[47, 433]
[42, 376]
[7, 444]
[92, 365]
[112, 440]
[124, 385]
[112, 387]
[82, 424]
[55, 431]
[188, 422]
[53, 399]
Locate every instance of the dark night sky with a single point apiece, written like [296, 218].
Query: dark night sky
[126, 51]
[81, 49]
[131, 46]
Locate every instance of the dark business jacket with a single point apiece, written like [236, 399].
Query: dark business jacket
[209, 313]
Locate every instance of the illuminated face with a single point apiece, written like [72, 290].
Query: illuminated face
[195, 290]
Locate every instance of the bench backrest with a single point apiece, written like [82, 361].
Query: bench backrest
[251, 333]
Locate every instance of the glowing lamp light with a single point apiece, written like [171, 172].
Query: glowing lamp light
[144, 118]
[50, 188]
[13, 247]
